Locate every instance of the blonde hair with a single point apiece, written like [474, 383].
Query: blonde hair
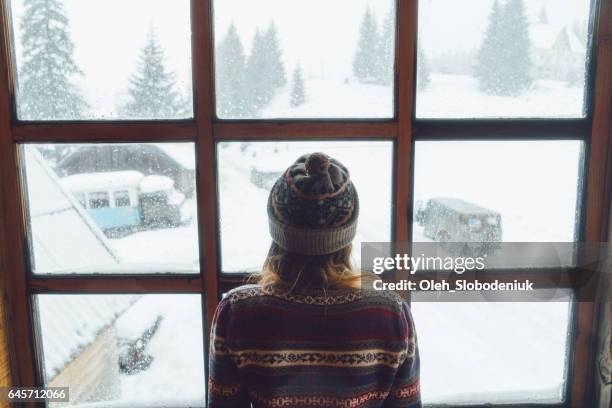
[293, 271]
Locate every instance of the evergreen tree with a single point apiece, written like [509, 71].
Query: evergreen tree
[298, 94]
[47, 69]
[387, 50]
[230, 76]
[489, 60]
[274, 56]
[259, 75]
[153, 91]
[365, 64]
[423, 73]
[515, 54]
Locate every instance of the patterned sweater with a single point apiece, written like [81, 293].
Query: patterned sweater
[342, 348]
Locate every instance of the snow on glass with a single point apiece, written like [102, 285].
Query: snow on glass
[68, 70]
[271, 63]
[247, 171]
[112, 208]
[123, 350]
[502, 58]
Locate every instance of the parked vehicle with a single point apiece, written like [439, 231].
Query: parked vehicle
[127, 199]
[453, 220]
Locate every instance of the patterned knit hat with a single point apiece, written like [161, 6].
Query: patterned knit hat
[313, 207]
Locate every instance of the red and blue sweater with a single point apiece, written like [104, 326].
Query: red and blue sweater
[313, 348]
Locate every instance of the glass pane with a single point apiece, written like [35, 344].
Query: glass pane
[123, 350]
[502, 58]
[519, 355]
[249, 169]
[70, 65]
[520, 191]
[271, 63]
[112, 208]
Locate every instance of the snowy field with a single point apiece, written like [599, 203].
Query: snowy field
[457, 96]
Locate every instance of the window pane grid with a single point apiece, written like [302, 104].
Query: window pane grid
[416, 135]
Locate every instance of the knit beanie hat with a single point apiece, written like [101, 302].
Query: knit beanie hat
[313, 207]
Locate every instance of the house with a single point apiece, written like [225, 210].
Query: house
[79, 340]
[557, 53]
[174, 160]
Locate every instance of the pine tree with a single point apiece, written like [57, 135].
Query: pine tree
[298, 94]
[365, 62]
[423, 73]
[489, 63]
[230, 76]
[259, 79]
[47, 69]
[153, 91]
[387, 50]
[274, 57]
[515, 55]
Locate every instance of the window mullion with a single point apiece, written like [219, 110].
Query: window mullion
[203, 79]
[21, 343]
[404, 71]
[597, 206]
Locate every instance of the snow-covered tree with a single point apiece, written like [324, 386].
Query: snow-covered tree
[230, 76]
[298, 93]
[516, 52]
[274, 57]
[386, 50]
[488, 68]
[366, 64]
[153, 92]
[47, 71]
[259, 79]
[423, 72]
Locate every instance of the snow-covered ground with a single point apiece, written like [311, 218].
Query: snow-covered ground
[532, 184]
[519, 355]
[177, 348]
[173, 249]
[457, 96]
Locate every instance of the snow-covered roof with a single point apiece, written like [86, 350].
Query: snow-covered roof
[544, 36]
[64, 238]
[102, 181]
[154, 183]
[70, 323]
[182, 153]
[52, 210]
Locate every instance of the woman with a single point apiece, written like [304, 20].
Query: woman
[307, 334]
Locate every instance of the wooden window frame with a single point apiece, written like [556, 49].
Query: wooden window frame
[205, 130]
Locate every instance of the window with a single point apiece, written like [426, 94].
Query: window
[519, 356]
[105, 348]
[148, 45]
[534, 202]
[250, 169]
[157, 233]
[135, 175]
[267, 67]
[122, 198]
[503, 59]
[98, 200]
